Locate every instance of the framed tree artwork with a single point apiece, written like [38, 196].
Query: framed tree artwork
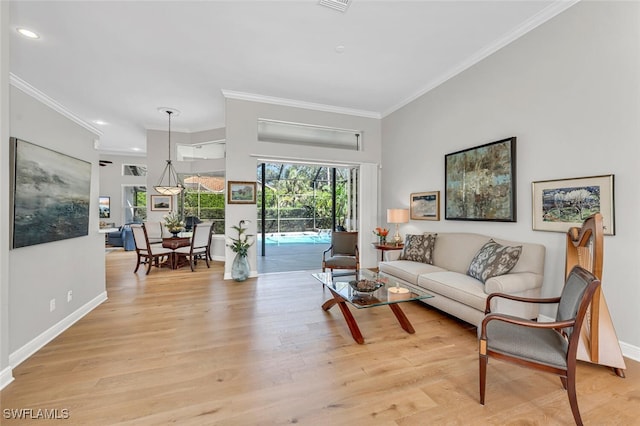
[480, 182]
[565, 203]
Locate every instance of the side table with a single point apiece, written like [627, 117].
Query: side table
[386, 246]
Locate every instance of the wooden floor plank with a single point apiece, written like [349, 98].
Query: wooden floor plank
[190, 348]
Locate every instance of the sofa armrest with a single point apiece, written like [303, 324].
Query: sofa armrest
[390, 255]
[513, 283]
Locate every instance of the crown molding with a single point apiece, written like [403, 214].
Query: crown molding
[540, 18]
[229, 94]
[19, 83]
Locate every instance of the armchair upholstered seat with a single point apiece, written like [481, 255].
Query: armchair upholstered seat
[343, 252]
[550, 346]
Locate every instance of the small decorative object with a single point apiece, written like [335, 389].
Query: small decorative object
[425, 205]
[173, 223]
[381, 233]
[565, 203]
[365, 286]
[240, 246]
[398, 293]
[480, 182]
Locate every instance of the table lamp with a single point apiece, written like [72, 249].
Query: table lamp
[397, 216]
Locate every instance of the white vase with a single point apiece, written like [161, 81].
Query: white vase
[240, 268]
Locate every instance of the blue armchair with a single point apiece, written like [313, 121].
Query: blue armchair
[123, 237]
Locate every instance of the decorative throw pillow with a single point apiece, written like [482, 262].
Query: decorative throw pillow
[418, 248]
[493, 259]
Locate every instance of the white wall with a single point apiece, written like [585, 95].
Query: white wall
[158, 149]
[43, 272]
[569, 91]
[112, 180]
[244, 151]
[5, 369]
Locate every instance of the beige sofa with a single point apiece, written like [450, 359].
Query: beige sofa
[461, 295]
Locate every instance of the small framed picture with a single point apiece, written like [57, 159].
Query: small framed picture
[565, 203]
[241, 192]
[425, 205]
[161, 203]
[105, 207]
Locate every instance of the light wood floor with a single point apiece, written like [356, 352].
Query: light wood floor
[192, 349]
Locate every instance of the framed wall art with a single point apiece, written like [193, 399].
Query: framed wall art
[50, 195]
[564, 203]
[480, 182]
[425, 205]
[241, 192]
[105, 207]
[161, 203]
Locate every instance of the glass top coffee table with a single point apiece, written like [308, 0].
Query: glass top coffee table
[360, 291]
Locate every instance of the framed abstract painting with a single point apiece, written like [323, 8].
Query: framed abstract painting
[480, 182]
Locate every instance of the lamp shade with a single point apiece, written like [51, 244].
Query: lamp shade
[397, 215]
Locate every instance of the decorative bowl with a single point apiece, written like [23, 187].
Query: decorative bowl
[365, 286]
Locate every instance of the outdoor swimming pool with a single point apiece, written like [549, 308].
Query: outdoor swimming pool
[297, 238]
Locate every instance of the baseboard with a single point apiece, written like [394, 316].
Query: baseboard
[6, 377]
[20, 355]
[252, 274]
[628, 350]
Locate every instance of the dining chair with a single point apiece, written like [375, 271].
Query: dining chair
[544, 346]
[155, 232]
[147, 253]
[199, 247]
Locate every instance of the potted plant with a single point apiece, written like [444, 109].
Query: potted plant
[173, 223]
[240, 246]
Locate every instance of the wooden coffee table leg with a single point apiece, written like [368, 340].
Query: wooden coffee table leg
[348, 317]
[402, 318]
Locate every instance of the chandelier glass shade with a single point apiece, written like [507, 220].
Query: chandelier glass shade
[169, 172]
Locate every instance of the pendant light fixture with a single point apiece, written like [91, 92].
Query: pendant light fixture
[169, 171]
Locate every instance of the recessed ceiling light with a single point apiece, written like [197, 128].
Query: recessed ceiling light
[340, 48]
[100, 122]
[28, 33]
[136, 149]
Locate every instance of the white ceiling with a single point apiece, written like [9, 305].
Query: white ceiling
[120, 61]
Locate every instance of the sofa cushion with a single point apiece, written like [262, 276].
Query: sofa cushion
[456, 286]
[493, 259]
[418, 248]
[407, 270]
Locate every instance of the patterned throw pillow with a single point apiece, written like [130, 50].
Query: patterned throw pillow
[418, 248]
[492, 260]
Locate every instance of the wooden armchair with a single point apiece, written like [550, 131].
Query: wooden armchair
[343, 252]
[550, 347]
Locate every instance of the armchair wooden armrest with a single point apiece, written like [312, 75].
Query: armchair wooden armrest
[487, 308]
[324, 253]
[558, 325]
